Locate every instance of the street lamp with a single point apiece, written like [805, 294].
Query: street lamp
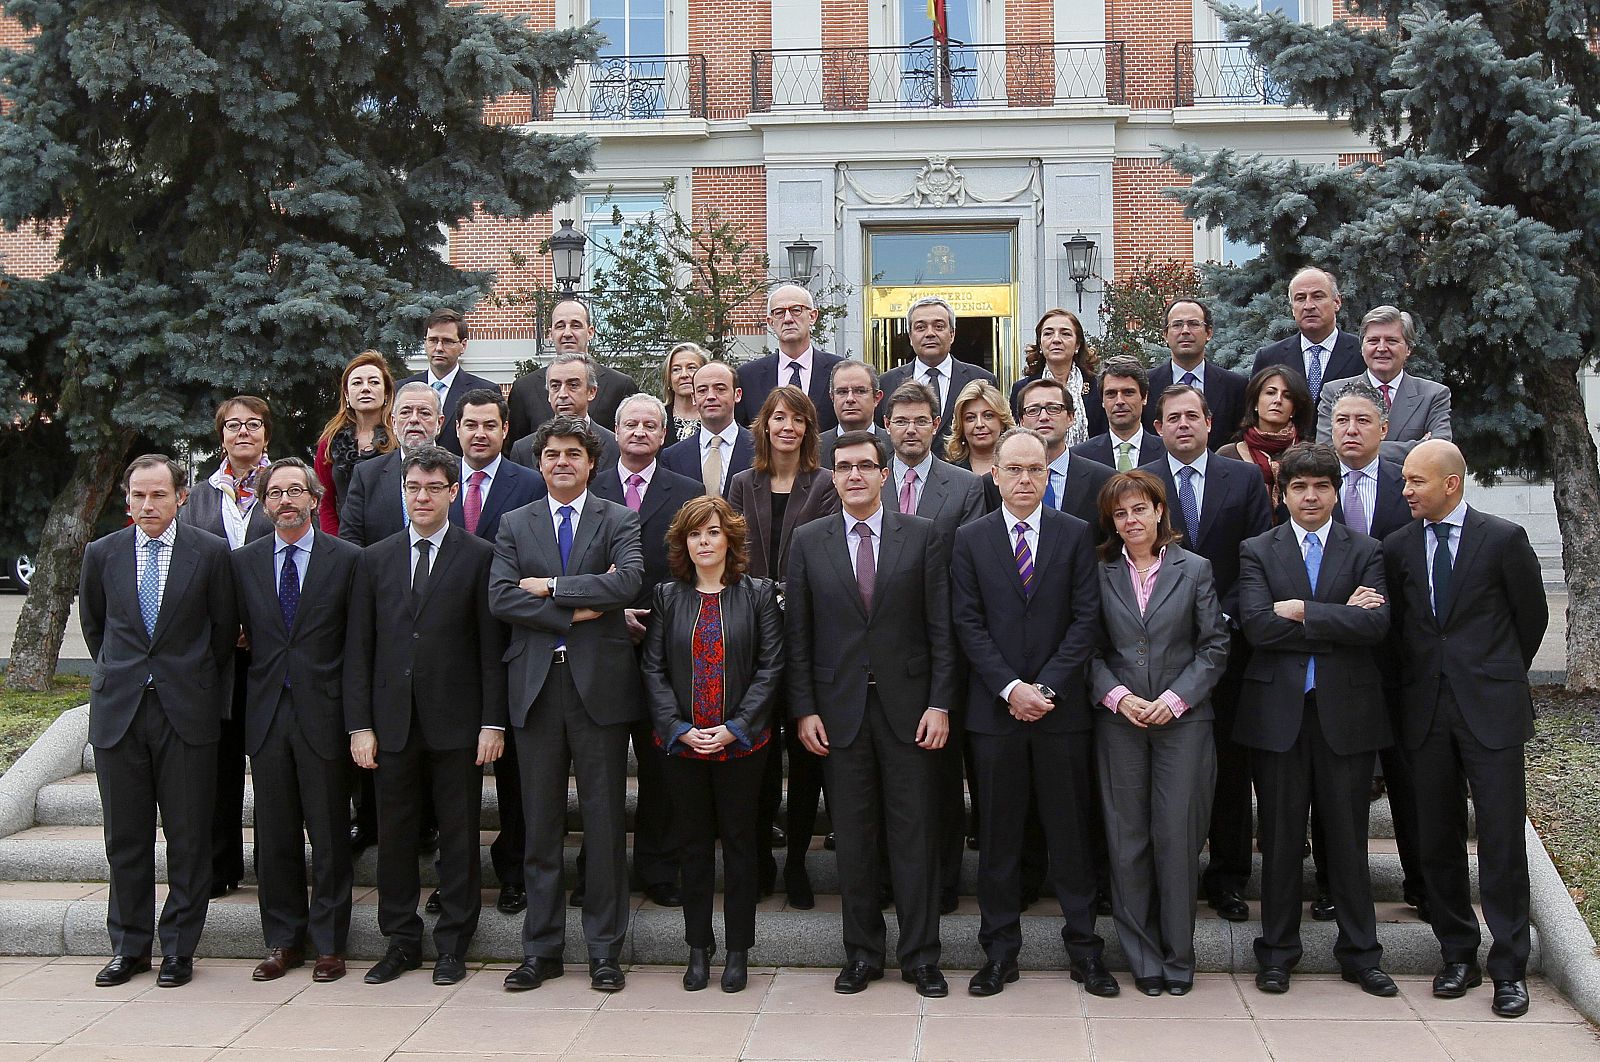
[802, 261]
[566, 252]
[1080, 262]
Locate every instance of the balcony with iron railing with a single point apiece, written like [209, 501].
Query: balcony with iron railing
[628, 88]
[1221, 72]
[925, 75]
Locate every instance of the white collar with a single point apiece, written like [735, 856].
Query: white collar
[1199, 464]
[901, 468]
[166, 538]
[1322, 532]
[1199, 372]
[437, 538]
[1457, 516]
[875, 522]
[490, 470]
[728, 435]
[448, 381]
[1393, 385]
[577, 504]
[803, 359]
[1306, 342]
[943, 367]
[1371, 468]
[1034, 519]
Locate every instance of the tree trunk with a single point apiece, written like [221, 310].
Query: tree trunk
[67, 529]
[1557, 391]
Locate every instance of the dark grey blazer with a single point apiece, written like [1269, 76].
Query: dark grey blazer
[1344, 361]
[950, 498]
[530, 400]
[961, 374]
[830, 438]
[372, 509]
[667, 494]
[204, 510]
[1420, 409]
[750, 494]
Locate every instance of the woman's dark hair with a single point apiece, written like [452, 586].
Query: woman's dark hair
[696, 513]
[1304, 417]
[1309, 460]
[258, 406]
[1087, 361]
[1145, 485]
[799, 404]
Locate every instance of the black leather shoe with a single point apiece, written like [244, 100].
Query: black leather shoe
[1273, 980]
[972, 842]
[533, 973]
[1150, 986]
[697, 974]
[1322, 908]
[121, 969]
[1373, 981]
[1179, 988]
[1510, 998]
[885, 897]
[1030, 896]
[449, 970]
[513, 898]
[828, 842]
[428, 840]
[1424, 912]
[736, 971]
[1454, 978]
[219, 889]
[434, 904]
[576, 899]
[362, 838]
[606, 976]
[797, 888]
[855, 977]
[1095, 978]
[992, 979]
[778, 838]
[948, 901]
[178, 970]
[664, 895]
[1102, 903]
[1230, 906]
[929, 981]
[395, 962]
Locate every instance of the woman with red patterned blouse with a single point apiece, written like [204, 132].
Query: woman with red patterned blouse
[713, 659]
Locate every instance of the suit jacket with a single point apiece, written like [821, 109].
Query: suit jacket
[463, 383]
[1233, 507]
[441, 656]
[1082, 497]
[309, 657]
[190, 655]
[1484, 643]
[1102, 449]
[750, 494]
[1345, 360]
[951, 497]
[668, 491]
[204, 510]
[513, 486]
[1342, 638]
[1418, 409]
[530, 400]
[1178, 643]
[610, 450]
[961, 374]
[830, 438]
[759, 378]
[684, 457]
[1224, 390]
[373, 510]
[1047, 637]
[599, 652]
[834, 645]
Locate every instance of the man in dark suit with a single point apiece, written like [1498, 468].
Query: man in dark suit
[564, 570]
[1317, 350]
[1311, 598]
[571, 382]
[931, 328]
[570, 333]
[1187, 331]
[1417, 409]
[791, 314]
[1470, 608]
[444, 341]
[722, 447]
[425, 704]
[492, 487]
[1027, 612]
[375, 507]
[1124, 393]
[156, 602]
[294, 597]
[871, 677]
[855, 395]
[1074, 482]
[1216, 504]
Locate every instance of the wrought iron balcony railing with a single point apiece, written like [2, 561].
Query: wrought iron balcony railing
[628, 88]
[1221, 72]
[924, 75]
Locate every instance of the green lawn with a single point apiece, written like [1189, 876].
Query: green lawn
[1564, 791]
[24, 716]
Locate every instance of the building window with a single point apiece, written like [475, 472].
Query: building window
[632, 27]
[606, 216]
[961, 17]
[1218, 245]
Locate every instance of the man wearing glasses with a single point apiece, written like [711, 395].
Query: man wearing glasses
[444, 341]
[855, 394]
[1074, 482]
[791, 314]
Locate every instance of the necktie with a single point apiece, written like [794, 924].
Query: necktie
[711, 471]
[794, 375]
[1314, 369]
[441, 390]
[472, 505]
[1313, 567]
[1441, 570]
[1388, 395]
[933, 382]
[1188, 504]
[564, 535]
[1050, 489]
[866, 567]
[1355, 514]
[631, 496]
[150, 587]
[908, 492]
[419, 574]
[1124, 457]
[289, 587]
[1024, 559]
[1190, 380]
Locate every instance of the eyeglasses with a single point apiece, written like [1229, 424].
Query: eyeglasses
[911, 422]
[292, 493]
[253, 424]
[866, 468]
[788, 311]
[1055, 409]
[1018, 471]
[853, 392]
[434, 489]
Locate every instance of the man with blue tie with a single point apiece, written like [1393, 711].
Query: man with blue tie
[1187, 330]
[444, 341]
[1318, 349]
[1074, 482]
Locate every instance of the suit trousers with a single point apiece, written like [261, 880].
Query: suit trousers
[1231, 832]
[1155, 789]
[884, 792]
[299, 794]
[405, 780]
[655, 858]
[952, 839]
[714, 800]
[1448, 754]
[152, 768]
[227, 820]
[509, 849]
[1057, 771]
[559, 737]
[1286, 784]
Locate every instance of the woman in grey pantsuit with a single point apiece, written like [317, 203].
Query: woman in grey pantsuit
[1165, 646]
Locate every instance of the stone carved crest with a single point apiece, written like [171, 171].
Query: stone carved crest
[939, 184]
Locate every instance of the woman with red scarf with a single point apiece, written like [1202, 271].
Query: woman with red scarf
[1278, 412]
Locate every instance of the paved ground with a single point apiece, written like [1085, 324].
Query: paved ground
[49, 1009]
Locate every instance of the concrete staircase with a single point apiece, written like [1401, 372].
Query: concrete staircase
[53, 901]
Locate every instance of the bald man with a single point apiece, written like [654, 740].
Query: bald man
[1468, 604]
[791, 315]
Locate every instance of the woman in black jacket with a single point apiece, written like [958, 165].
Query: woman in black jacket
[713, 659]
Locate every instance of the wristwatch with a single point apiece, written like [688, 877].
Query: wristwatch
[551, 585]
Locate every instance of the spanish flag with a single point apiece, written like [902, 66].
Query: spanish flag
[941, 22]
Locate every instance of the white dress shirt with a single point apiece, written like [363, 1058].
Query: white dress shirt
[1030, 535]
[448, 379]
[1456, 521]
[1134, 445]
[729, 437]
[1306, 344]
[302, 556]
[919, 373]
[900, 470]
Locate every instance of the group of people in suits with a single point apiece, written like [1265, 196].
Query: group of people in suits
[1110, 638]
